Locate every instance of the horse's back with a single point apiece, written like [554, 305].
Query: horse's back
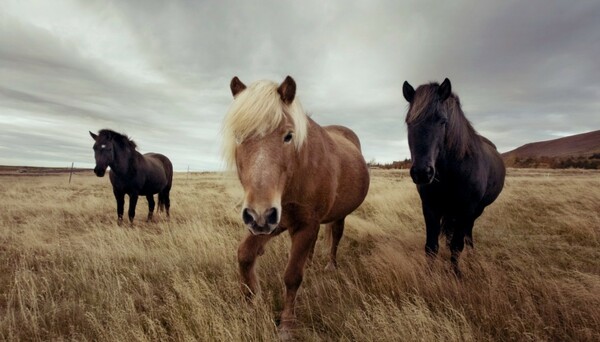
[344, 132]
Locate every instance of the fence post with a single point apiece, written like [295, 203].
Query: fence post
[71, 173]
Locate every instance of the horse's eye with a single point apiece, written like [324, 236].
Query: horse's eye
[443, 121]
[288, 137]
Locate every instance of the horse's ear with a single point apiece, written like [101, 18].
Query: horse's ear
[445, 90]
[408, 91]
[287, 90]
[94, 136]
[236, 86]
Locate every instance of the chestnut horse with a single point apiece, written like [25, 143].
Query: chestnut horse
[132, 173]
[295, 175]
[457, 171]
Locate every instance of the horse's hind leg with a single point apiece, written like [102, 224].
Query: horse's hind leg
[469, 238]
[469, 231]
[447, 227]
[336, 230]
[151, 204]
[312, 252]
[458, 242]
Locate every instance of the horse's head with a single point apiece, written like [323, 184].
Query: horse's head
[426, 120]
[263, 131]
[104, 152]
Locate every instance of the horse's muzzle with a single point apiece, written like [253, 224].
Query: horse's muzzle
[422, 175]
[261, 224]
[99, 171]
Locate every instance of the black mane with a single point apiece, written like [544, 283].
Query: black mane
[461, 137]
[121, 139]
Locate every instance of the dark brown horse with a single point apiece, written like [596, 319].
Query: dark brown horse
[457, 171]
[295, 174]
[132, 173]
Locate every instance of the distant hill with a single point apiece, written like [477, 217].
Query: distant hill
[563, 152]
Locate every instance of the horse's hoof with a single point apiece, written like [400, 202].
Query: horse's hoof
[330, 267]
[457, 272]
[285, 333]
[250, 295]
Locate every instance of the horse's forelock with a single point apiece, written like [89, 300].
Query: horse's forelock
[423, 97]
[258, 111]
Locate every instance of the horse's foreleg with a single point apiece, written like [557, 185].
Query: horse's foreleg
[151, 204]
[120, 197]
[432, 225]
[133, 198]
[252, 247]
[302, 241]
[336, 229]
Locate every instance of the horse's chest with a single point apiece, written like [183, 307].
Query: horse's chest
[129, 186]
[451, 196]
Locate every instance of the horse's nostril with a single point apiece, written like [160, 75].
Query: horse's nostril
[247, 216]
[423, 174]
[271, 216]
[430, 171]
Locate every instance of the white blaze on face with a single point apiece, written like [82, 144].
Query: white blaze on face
[264, 183]
[259, 163]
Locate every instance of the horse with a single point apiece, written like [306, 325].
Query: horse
[295, 175]
[457, 171]
[132, 173]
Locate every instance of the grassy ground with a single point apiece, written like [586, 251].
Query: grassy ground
[68, 272]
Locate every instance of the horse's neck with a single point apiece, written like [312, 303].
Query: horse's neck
[453, 160]
[126, 162]
[461, 141]
[313, 143]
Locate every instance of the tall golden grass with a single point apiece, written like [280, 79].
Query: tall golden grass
[68, 272]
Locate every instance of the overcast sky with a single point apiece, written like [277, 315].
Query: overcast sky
[159, 71]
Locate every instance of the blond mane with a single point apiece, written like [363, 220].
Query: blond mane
[257, 111]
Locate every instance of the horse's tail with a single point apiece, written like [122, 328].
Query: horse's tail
[163, 196]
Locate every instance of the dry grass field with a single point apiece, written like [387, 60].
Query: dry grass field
[68, 272]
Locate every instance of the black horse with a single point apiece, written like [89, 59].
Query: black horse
[132, 173]
[457, 171]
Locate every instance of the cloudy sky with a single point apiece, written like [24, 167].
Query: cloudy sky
[160, 70]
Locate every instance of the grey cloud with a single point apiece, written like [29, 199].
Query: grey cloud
[524, 71]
